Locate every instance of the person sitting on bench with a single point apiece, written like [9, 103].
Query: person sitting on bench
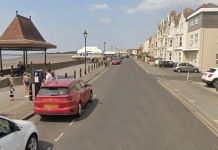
[20, 70]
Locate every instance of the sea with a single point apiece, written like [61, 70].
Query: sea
[11, 56]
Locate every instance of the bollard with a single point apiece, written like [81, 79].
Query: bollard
[188, 75]
[80, 72]
[92, 67]
[49, 65]
[88, 69]
[65, 75]
[74, 74]
[30, 92]
[12, 71]
[31, 62]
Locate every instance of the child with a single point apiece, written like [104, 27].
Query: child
[11, 92]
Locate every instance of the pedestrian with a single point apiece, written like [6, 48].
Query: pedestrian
[26, 82]
[11, 92]
[54, 75]
[48, 76]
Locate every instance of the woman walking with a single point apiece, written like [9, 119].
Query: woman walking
[54, 76]
[26, 82]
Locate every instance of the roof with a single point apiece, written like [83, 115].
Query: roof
[177, 18]
[23, 33]
[187, 12]
[89, 49]
[60, 83]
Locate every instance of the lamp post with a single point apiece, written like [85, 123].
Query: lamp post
[85, 35]
[104, 47]
[111, 50]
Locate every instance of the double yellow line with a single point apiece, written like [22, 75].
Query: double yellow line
[208, 124]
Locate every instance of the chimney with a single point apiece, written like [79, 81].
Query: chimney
[172, 14]
[16, 13]
[30, 17]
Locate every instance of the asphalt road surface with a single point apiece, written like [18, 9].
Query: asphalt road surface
[131, 111]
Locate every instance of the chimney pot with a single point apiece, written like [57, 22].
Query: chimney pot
[30, 17]
[16, 13]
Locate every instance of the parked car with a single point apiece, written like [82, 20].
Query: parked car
[18, 134]
[165, 63]
[116, 61]
[156, 62]
[122, 57]
[127, 56]
[210, 77]
[63, 97]
[181, 66]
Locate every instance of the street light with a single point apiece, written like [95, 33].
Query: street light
[85, 35]
[104, 47]
[111, 50]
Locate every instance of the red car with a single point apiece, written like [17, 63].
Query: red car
[63, 97]
[115, 61]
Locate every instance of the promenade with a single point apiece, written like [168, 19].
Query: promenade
[22, 108]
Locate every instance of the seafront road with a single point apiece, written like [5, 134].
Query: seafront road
[130, 111]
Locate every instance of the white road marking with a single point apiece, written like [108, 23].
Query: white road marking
[159, 78]
[163, 78]
[49, 148]
[95, 95]
[59, 137]
[71, 122]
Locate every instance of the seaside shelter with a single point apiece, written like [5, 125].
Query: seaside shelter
[22, 35]
[90, 51]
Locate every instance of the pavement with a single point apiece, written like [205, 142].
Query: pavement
[194, 94]
[130, 111]
[22, 108]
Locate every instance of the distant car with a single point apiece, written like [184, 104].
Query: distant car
[210, 77]
[63, 97]
[156, 62]
[116, 61]
[18, 135]
[127, 56]
[182, 66]
[165, 63]
[122, 57]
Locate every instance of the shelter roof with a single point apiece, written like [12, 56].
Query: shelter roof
[22, 33]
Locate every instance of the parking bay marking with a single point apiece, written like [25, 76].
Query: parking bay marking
[192, 101]
[216, 121]
[59, 137]
[72, 122]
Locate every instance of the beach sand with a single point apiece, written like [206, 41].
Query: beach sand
[37, 58]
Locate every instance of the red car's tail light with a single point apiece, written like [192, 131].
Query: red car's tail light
[38, 99]
[68, 98]
[210, 75]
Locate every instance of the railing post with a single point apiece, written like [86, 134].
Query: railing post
[80, 72]
[30, 92]
[65, 75]
[74, 74]
[12, 71]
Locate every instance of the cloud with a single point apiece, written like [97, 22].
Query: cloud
[147, 6]
[33, 14]
[99, 6]
[105, 20]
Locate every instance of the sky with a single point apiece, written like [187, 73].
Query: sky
[124, 24]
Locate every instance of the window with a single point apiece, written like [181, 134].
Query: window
[196, 20]
[196, 38]
[170, 56]
[181, 27]
[171, 43]
[180, 57]
[74, 89]
[165, 54]
[165, 41]
[78, 86]
[156, 44]
[216, 59]
[156, 53]
[180, 41]
[82, 83]
[5, 128]
[191, 38]
[191, 22]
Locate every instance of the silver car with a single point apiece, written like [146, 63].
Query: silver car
[181, 66]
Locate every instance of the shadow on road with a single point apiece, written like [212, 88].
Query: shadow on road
[45, 145]
[88, 109]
